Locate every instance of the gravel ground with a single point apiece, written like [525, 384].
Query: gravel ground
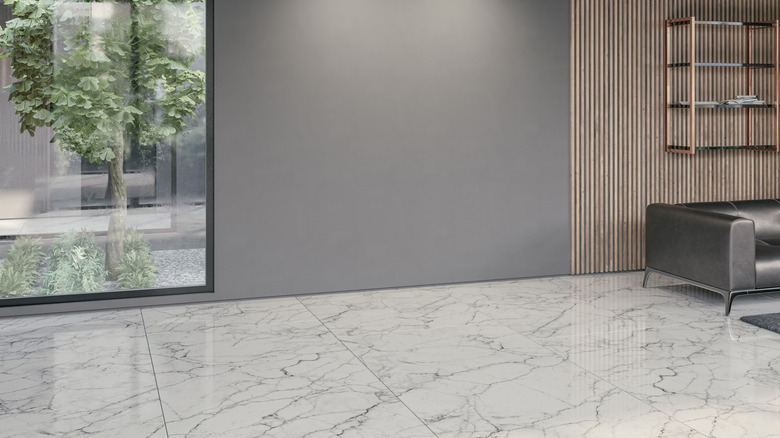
[175, 268]
[180, 267]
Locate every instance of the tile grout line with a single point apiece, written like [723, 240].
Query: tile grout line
[367, 368]
[154, 373]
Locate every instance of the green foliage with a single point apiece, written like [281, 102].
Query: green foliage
[28, 41]
[76, 265]
[114, 69]
[19, 269]
[137, 270]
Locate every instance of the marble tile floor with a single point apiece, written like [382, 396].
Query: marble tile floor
[571, 356]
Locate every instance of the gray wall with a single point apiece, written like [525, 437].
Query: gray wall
[378, 143]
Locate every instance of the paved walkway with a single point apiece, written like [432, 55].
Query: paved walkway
[92, 220]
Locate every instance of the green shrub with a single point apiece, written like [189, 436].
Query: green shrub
[19, 269]
[76, 264]
[136, 270]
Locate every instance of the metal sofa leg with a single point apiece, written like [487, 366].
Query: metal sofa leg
[729, 297]
[647, 274]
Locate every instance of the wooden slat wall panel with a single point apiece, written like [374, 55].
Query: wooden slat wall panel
[618, 165]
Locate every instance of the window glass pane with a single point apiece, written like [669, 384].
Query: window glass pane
[103, 148]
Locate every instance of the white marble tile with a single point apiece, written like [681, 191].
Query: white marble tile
[542, 308]
[572, 356]
[699, 373]
[266, 368]
[85, 374]
[392, 310]
[570, 306]
[486, 380]
[261, 313]
[756, 341]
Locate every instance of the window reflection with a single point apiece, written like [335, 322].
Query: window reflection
[113, 82]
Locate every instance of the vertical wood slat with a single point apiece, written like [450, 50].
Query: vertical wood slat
[749, 80]
[776, 29]
[618, 162]
[692, 83]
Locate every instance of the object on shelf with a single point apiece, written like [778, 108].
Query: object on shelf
[701, 102]
[744, 100]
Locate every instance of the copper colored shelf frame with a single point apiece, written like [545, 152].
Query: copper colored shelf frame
[684, 21]
[722, 64]
[749, 26]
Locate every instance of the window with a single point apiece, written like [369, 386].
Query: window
[105, 150]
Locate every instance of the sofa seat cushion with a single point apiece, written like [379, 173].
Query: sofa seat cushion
[768, 262]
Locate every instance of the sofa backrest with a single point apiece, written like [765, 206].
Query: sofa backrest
[765, 213]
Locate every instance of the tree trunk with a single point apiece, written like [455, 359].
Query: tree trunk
[116, 226]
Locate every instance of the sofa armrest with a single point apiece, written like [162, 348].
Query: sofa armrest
[710, 248]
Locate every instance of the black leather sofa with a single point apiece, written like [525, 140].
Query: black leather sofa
[732, 248]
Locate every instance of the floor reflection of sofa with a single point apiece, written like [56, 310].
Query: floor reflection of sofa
[732, 248]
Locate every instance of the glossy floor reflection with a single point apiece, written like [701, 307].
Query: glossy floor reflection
[573, 356]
